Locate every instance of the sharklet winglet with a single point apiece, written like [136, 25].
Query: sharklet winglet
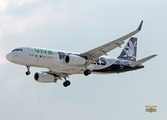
[140, 26]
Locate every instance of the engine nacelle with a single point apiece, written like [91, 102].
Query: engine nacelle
[74, 60]
[44, 77]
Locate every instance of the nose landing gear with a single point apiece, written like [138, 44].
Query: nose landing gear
[28, 70]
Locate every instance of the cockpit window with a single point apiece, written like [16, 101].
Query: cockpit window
[17, 50]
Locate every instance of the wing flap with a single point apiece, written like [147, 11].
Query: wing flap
[133, 64]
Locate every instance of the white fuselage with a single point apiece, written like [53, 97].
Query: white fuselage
[54, 60]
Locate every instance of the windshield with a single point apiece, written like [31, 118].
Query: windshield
[17, 50]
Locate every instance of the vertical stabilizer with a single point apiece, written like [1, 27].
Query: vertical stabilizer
[130, 50]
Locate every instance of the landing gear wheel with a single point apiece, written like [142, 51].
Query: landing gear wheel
[66, 83]
[87, 72]
[28, 68]
[28, 72]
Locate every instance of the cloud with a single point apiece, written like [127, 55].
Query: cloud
[3, 5]
[40, 16]
[21, 2]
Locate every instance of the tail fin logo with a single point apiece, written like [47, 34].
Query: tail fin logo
[129, 51]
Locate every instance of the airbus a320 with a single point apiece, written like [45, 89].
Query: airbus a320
[62, 64]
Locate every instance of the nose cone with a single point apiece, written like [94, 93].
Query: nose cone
[9, 56]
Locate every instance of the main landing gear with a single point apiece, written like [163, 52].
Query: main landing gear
[28, 70]
[65, 76]
[87, 72]
[66, 83]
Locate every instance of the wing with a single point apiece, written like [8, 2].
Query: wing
[93, 54]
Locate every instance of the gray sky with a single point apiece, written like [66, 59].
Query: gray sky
[80, 26]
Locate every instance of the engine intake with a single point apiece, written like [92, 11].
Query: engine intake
[74, 60]
[44, 77]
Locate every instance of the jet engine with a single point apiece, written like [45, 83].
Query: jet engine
[74, 60]
[44, 77]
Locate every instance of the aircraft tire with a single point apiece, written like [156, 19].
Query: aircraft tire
[87, 72]
[28, 72]
[66, 83]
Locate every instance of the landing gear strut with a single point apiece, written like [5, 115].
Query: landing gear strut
[87, 72]
[28, 70]
[66, 83]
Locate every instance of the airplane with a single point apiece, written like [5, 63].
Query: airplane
[62, 64]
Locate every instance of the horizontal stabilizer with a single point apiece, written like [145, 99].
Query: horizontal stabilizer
[141, 61]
